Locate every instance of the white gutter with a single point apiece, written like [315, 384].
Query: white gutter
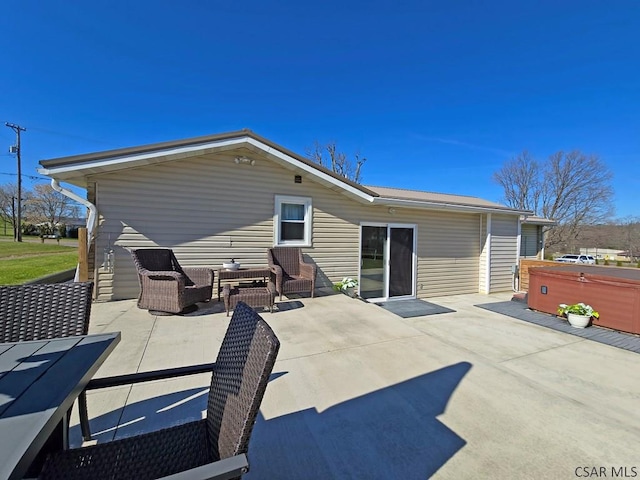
[445, 206]
[91, 219]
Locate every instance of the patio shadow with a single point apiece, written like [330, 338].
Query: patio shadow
[158, 412]
[392, 432]
[389, 433]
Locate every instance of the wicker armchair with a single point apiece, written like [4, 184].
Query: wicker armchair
[293, 274]
[40, 311]
[165, 287]
[214, 447]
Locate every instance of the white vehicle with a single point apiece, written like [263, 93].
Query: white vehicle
[572, 258]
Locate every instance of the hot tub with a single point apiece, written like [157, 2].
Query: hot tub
[613, 292]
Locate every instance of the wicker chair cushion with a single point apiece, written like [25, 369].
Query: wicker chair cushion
[294, 285]
[288, 258]
[159, 260]
[142, 457]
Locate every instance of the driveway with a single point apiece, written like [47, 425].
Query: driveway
[358, 392]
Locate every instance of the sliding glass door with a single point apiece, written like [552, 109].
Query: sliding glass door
[373, 241]
[387, 261]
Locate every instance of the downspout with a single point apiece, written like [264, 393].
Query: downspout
[543, 234]
[91, 219]
[488, 265]
[515, 270]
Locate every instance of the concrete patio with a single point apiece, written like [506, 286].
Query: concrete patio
[358, 392]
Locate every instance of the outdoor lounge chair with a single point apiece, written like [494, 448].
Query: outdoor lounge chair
[165, 287]
[293, 274]
[214, 447]
[51, 310]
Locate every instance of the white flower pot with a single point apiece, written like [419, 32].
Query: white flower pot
[578, 321]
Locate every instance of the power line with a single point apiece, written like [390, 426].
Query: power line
[69, 135]
[30, 177]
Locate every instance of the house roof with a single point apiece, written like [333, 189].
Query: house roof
[76, 170]
[535, 220]
[422, 199]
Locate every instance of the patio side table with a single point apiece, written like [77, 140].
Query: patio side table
[252, 296]
[242, 273]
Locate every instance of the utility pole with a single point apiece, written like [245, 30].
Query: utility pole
[16, 149]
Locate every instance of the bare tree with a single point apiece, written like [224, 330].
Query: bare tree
[328, 156]
[47, 205]
[8, 194]
[572, 188]
[520, 178]
[631, 236]
[9, 205]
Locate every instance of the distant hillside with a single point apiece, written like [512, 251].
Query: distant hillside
[619, 237]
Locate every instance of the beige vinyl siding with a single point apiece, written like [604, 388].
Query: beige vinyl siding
[504, 231]
[447, 245]
[209, 209]
[448, 249]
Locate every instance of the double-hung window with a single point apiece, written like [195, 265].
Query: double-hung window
[292, 221]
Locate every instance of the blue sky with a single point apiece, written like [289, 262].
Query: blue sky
[435, 94]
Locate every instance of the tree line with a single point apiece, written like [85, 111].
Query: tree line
[572, 188]
[43, 209]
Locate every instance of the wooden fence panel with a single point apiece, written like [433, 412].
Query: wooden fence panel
[83, 255]
[525, 264]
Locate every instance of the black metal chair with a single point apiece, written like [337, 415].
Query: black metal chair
[214, 447]
[41, 311]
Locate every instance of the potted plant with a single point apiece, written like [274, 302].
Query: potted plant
[578, 314]
[347, 286]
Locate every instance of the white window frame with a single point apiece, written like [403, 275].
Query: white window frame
[308, 219]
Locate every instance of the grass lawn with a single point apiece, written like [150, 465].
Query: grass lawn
[371, 263]
[6, 229]
[24, 261]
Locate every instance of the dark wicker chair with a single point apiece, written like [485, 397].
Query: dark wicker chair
[215, 447]
[40, 311]
[165, 287]
[292, 273]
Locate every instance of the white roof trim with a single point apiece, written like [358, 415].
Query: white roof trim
[147, 157]
[309, 169]
[444, 206]
[138, 158]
